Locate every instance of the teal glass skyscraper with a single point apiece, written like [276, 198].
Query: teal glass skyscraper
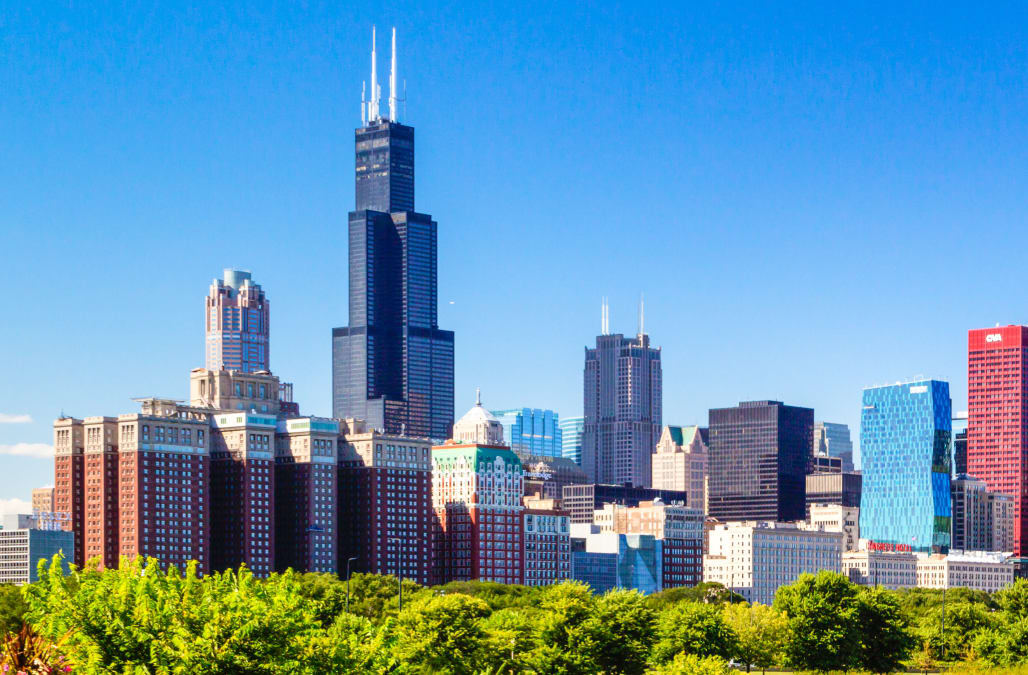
[531, 431]
[571, 431]
[904, 449]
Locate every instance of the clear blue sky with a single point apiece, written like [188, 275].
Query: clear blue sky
[813, 198]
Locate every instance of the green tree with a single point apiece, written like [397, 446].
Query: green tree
[761, 634]
[1014, 599]
[622, 629]
[963, 621]
[509, 637]
[441, 633]
[822, 611]
[352, 644]
[707, 591]
[138, 619]
[691, 664]
[885, 637]
[693, 628]
[564, 634]
[12, 609]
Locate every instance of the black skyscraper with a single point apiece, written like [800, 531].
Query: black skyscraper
[391, 365]
[759, 456]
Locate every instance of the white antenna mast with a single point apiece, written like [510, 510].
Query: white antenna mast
[375, 89]
[364, 103]
[392, 81]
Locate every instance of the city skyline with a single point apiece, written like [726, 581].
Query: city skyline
[53, 372]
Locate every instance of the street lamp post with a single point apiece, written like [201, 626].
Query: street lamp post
[399, 567]
[348, 561]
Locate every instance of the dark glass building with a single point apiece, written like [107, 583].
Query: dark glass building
[581, 500]
[842, 488]
[760, 453]
[392, 366]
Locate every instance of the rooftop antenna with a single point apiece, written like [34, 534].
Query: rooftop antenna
[364, 103]
[642, 316]
[478, 396]
[375, 89]
[392, 81]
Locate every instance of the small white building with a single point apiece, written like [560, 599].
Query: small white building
[888, 569]
[755, 558]
[838, 518]
[976, 570]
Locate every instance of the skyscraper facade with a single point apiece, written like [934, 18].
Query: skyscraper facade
[623, 402]
[833, 440]
[680, 463]
[759, 455]
[531, 431]
[392, 366]
[904, 452]
[997, 420]
[237, 319]
[572, 429]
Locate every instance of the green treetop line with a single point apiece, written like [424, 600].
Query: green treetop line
[139, 619]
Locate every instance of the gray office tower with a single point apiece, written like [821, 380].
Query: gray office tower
[622, 408]
[758, 459]
[392, 366]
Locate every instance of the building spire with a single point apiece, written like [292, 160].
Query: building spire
[375, 89]
[478, 396]
[642, 316]
[392, 81]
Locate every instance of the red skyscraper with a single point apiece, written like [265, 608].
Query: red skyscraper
[997, 417]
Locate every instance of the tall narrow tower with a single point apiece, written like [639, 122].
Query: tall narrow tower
[622, 402]
[237, 321]
[392, 366]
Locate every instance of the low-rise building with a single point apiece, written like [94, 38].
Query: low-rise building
[979, 571]
[546, 557]
[755, 558]
[889, 569]
[678, 527]
[607, 560]
[838, 518]
[22, 546]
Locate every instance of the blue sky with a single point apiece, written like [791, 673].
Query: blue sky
[813, 199]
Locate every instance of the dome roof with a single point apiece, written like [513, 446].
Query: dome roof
[478, 415]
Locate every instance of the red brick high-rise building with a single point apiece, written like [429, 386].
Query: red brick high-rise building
[306, 454]
[100, 484]
[243, 491]
[69, 490]
[385, 503]
[164, 484]
[997, 421]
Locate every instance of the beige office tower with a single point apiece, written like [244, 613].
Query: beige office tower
[43, 500]
[680, 463]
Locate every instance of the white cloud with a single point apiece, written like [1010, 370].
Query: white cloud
[9, 506]
[6, 418]
[28, 450]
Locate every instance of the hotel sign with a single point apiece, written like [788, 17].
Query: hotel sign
[891, 548]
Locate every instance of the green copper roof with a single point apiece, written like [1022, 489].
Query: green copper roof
[682, 435]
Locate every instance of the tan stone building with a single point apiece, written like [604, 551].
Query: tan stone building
[680, 463]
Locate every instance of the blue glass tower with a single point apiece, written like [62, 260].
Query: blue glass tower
[572, 430]
[392, 366]
[904, 449]
[531, 431]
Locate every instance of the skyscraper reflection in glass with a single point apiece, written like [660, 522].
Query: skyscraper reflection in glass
[531, 431]
[904, 449]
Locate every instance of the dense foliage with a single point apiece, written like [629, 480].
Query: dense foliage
[140, 619]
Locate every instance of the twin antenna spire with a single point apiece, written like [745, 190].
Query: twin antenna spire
[369, 107]
[605, 316]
